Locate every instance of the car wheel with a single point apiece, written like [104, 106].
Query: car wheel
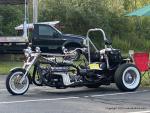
[127, 77]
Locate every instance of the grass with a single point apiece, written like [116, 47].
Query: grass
[145, 79]
[6, 66]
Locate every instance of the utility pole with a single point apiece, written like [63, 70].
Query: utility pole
[35, 11]
[25, 29]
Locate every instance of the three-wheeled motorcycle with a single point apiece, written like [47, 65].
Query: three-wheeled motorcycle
[104, 67]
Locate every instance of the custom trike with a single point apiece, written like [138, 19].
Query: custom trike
[104, 67]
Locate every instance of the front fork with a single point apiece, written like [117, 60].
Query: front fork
[28, 64]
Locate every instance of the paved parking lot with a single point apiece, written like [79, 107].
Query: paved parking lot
[75, 100]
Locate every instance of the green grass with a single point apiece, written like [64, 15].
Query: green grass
[131, 43]
[6, 66]
[145, 80]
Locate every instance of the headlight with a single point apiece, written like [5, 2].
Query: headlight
[27, 52]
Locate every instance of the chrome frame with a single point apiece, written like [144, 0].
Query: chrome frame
[90, 42]
[28, 64]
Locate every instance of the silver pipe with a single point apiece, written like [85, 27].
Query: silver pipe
[89, 41]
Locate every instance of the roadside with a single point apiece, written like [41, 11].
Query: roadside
[6, 66]
[2, 82]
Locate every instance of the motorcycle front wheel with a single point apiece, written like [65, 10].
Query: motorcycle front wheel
[13, 84]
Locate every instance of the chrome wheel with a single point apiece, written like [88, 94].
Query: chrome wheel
[131, 77]
[127, 77]
[13, 84]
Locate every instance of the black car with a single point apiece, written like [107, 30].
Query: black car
[45, 36]
[49, 39]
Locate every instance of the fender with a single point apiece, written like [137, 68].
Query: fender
[19, 68]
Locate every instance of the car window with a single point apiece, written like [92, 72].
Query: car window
[46, 30]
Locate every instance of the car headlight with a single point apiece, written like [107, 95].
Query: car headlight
[27, 52]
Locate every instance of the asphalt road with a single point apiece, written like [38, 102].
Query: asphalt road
[106, 99]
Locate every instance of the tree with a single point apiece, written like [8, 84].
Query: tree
[11, 16]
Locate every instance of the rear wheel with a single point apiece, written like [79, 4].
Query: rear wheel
[13, 84]
[127, 77]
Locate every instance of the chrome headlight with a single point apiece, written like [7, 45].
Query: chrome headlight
[28, 52]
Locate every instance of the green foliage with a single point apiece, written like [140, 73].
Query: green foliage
[80, 15]
[10, 16]
[77, 15]
[6, 66]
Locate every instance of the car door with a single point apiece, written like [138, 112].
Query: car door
[47, 37]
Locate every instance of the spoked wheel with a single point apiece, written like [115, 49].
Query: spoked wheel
[127, 77]
[13, 84]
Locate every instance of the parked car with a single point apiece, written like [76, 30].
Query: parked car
[44, 35]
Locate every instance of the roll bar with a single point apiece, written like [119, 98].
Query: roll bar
[89, 40]
[97, 29]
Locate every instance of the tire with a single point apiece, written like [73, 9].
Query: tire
[17, 88]
[92, 86]
[127, 77]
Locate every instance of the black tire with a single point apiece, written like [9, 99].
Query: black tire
[127, 77]
[15, 91]
[92, 86]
